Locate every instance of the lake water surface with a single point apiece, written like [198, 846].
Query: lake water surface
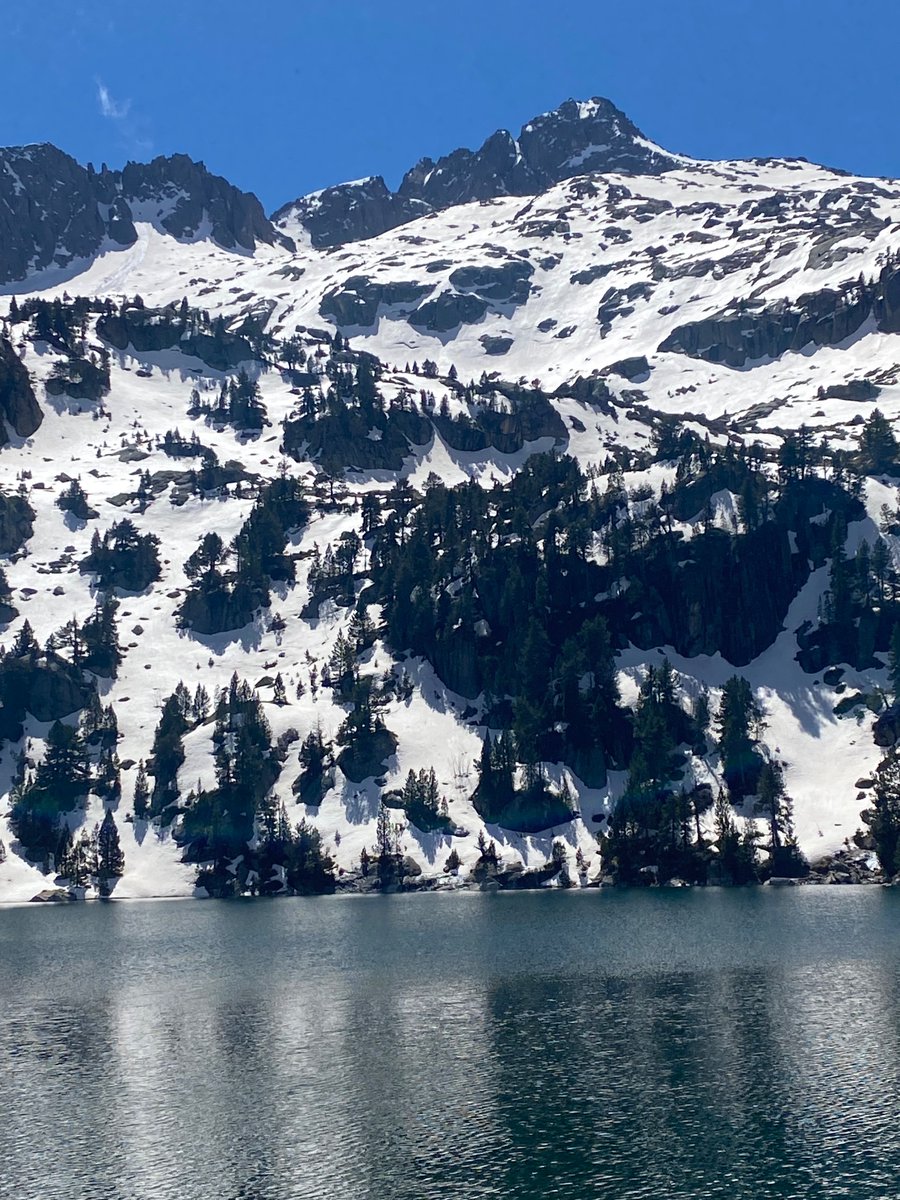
[665, 1044]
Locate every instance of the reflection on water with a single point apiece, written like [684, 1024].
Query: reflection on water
[739, 1045]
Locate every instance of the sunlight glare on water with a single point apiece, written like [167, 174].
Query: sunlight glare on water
[737, 1044]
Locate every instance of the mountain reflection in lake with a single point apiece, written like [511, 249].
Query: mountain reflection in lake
[663, 1044]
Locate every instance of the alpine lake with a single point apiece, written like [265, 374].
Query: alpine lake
[665, 1044]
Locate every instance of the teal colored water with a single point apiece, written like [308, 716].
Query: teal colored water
[692, 1044]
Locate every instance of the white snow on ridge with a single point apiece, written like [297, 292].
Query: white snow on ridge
[679, 241]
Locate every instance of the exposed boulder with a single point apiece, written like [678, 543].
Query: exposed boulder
[49, 689]
[53, 896]
[79, 378]
[220, 611]
[632, 369]
[495, 345]
[854, 389]
[524, 812]
[367, 755]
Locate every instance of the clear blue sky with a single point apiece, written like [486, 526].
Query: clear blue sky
[284, 96]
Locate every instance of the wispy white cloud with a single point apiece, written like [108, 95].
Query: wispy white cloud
[114, 110]
[133, 130]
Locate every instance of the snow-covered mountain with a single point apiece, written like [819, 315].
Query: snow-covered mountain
[635, 291]
[54, 212]
[577, 138]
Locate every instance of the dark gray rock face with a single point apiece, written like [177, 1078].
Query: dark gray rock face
[577, 138]
[16, 523]
[497, 169]
[54, 211]
[753, 330]
[341, 441]
[581, 137]
[79, 379]
[222, 611]
[619, 302]
[18, 405]
[351, 212]
[447, 311]
[357, 301]
[153, 329]
[191, 194]
[52, 692]
[505, 285]
[368, 755]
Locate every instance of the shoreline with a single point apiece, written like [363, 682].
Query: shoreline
[64, 901]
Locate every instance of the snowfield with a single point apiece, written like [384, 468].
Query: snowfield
[648, 254]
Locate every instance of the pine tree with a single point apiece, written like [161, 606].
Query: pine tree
[63, 854]
[894, 663]
[102, 652]
[737, 718]
[770, 803]
[881, 568]
[110, 859]
[59, 784]
[884, 816]
[84, 864]
[167, 753]
[878, 446]
[701, 716]
[200, 704]
[141, 794]
[75, 501]
[25, 645]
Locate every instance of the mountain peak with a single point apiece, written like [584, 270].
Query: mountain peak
[577, 138]
[54, 211]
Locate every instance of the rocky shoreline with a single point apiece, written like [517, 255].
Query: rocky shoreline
[841, 868]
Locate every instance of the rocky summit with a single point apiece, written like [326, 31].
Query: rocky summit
[534, 524]
[55, 213]
[577, 138]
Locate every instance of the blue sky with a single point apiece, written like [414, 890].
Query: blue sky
[284, 96]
